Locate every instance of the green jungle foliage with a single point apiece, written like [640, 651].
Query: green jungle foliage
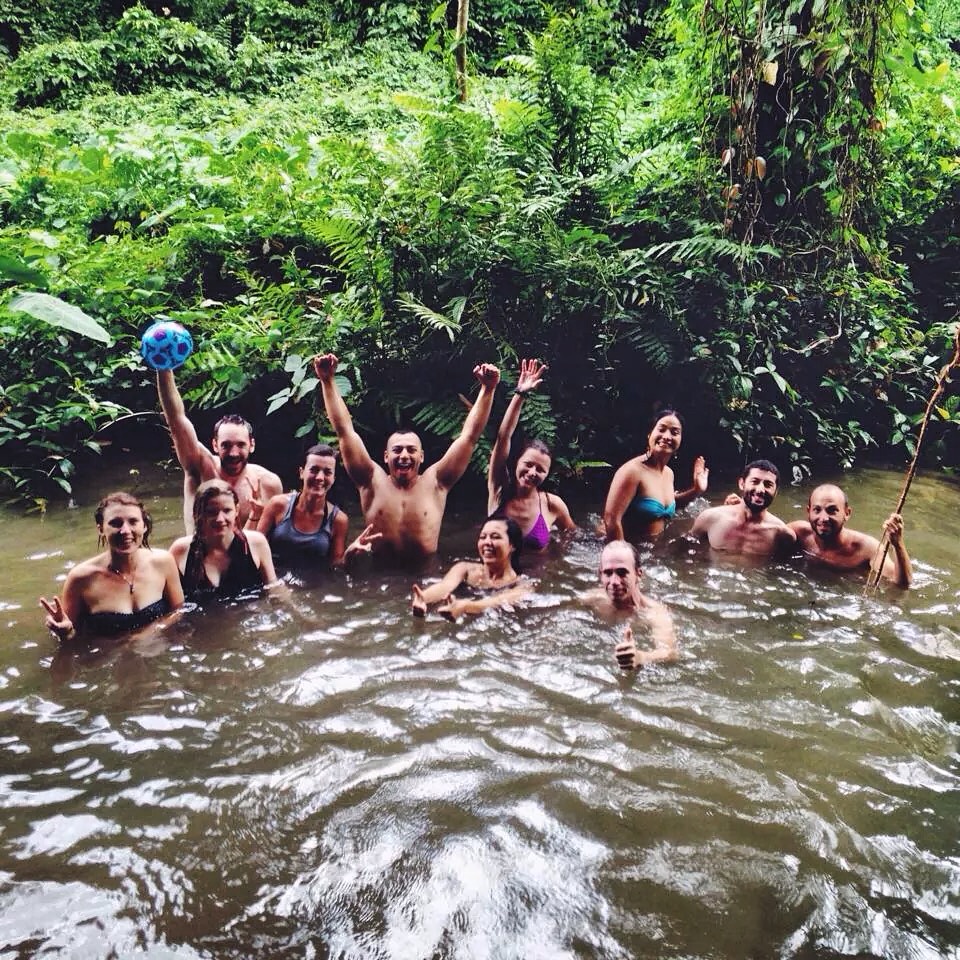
[749, 212]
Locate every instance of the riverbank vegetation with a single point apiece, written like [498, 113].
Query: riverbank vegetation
[749, 211]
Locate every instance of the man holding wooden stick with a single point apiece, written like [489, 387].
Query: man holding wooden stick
[827, 542]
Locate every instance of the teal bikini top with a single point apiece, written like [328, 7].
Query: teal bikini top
[649, 509]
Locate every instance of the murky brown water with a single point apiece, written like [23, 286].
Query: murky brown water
[332, 778]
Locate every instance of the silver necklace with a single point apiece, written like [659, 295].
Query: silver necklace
[127, 580]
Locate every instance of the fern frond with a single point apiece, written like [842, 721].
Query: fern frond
[654, 349]
[703, 248]
[432, 318]
[345, 240]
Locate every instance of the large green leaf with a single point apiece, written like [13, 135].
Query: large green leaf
[13, 268]
[55, 311]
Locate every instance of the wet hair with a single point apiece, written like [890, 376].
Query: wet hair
[764, 465]
[236, 420]
[514, 538]
[207, 491]
[637, 559]
[319, 450]
[664, 412]
[509, 479]
[123, 499]
[846, 502]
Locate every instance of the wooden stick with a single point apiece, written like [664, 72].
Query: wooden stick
[880, 557]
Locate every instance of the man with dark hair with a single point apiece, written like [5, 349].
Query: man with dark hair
[229, 460]
[403, 504]
[619, 598]
[746, 527]
[827, 542]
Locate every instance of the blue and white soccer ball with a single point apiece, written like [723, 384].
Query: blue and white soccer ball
[166, 345]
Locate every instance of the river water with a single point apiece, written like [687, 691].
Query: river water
[329, 777]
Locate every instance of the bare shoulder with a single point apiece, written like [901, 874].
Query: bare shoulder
[263, 475]
[863, 543]
[256, 539]
[632, 470]
[340, 519]
[85, 570]
[555, 503]
[161, 559]
[469, 570]
[180, 546]
[710, 516]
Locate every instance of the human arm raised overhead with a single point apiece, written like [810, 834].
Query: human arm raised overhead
[356, 460]
[531, 375]
[191, 453]
[452, 465]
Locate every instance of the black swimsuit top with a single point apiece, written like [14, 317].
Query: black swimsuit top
[109, 623]
[241, 577]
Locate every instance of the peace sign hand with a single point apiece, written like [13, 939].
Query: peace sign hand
[57, 621]
[364, 542]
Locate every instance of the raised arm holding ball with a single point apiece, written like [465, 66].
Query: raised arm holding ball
[232, 442]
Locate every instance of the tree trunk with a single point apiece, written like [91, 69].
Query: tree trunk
[463, 15]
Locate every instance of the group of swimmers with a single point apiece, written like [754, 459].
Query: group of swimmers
[238, 519]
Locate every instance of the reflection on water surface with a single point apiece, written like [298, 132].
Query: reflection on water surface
[332, 778]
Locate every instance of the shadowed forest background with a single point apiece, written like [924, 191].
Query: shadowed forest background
[749, 211]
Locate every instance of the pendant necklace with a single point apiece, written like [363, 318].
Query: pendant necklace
[127, 580]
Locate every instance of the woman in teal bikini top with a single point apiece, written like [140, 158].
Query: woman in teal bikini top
[514, 493]
[642, 497]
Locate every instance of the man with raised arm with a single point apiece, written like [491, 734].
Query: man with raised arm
[826, 541]
[403, 504]
[745, 527]
[232, 445]
[619, 598]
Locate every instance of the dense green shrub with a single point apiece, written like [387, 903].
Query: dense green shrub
[147, 50]
[141, 51]
[63, 72]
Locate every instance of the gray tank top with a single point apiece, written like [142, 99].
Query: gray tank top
[292, 545]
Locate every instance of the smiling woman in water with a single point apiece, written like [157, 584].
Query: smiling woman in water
[124, 588]
[494, 579]
[514, 490]
[642, 498]
[305, 527]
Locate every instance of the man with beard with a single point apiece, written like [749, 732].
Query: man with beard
[826, 541]
[619, 598]
[402, 504]
[232, 445]
[746, 527]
